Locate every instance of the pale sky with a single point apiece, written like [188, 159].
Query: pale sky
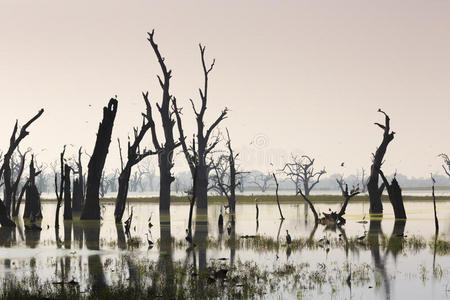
[298, 76]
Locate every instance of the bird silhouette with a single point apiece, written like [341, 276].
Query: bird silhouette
[149, 241]
[189, 238]
[342, 164]
[150, 225]
[288, 237]
[362, 237]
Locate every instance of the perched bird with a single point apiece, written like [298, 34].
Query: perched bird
[288, 237]
[324, 240]
[189, 238]
[150, 225]
[150, 242]
[221, 274]
[362, 237]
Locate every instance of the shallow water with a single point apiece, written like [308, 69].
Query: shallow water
[96, 255]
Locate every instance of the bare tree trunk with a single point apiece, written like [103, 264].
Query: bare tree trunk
[395, 196]
[276, 193]
[375, 191]
[122, 194]
[311, 206]
[91, 209]
[67, 198]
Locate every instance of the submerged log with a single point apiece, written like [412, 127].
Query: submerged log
[91, 209]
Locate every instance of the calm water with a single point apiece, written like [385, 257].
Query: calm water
[98, 255]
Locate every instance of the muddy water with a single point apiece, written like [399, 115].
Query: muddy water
[98, 254]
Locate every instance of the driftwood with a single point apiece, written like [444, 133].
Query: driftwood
[333, 218]
[91, 209]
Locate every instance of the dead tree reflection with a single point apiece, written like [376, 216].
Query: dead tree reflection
[374, 234]
[165, 263]
[96, 275]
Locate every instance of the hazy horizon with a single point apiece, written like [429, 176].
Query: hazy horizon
[298, 77]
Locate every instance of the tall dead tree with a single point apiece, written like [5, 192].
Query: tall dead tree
[78, 185]
[301, 171]
[17, 167]
[91, 209]
[59, 195]
[228, 189]
[197, 154]
[165, 150]
[5, 169]
[395, 196]
[67, 196]
[134, 156]
[276, 194]
[375, 191]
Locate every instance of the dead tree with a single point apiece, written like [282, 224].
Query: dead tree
[241, 178]
[436, 222]
[374, 190]
[363, 180]
[262, 181]
[59, 195]
[165, 150]
[395, 196]
[134, 156]
[197, 154]
[301, 171]
[32, 208]
[446, 165]
[333, 218]
[67, 196]
[17, 168]
[221, 168]
[276, 194]
[91, 209]
[228, 189]
[5, 169]
[78, 185]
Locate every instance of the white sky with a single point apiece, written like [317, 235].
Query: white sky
[298, 76]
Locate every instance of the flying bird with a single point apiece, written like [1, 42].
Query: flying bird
[342, 164]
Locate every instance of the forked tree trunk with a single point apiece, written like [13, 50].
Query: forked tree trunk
[374, 190]
[91, 209]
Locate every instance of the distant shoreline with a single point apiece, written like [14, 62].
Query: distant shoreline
[263, 199]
